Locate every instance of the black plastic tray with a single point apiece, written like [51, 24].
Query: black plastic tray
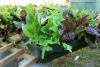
[58, 51]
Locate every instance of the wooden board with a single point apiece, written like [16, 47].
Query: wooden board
[18, 53]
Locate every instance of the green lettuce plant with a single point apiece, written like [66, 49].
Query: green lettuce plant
[42, 28]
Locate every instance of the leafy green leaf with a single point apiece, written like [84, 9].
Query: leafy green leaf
[26, 31]
[44, 49]
[29, 8]
[1, 26]
[6, 15]
[67, 47]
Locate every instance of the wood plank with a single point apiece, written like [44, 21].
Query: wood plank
[14, 49]
[11, 56]
[6, 47]
[30, 60]
[15, 38]
[16, 53]
[1, 65]
[1, 39]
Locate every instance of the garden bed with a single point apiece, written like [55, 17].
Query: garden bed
[52, 29]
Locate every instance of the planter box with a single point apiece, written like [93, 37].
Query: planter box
[57, 50]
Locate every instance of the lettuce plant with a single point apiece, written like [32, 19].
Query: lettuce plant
[43, 28]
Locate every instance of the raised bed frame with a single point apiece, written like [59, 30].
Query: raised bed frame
[16, 52]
